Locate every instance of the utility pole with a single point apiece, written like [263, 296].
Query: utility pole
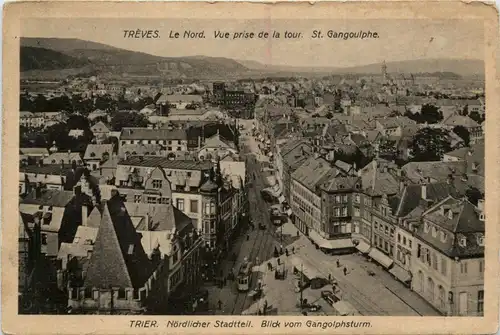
[300, 283]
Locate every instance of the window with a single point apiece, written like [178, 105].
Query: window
[96, 294]
[391, 250]
[152, 200]
[463, 267]
[44, 239]
[137, 198]
[434, 232]
[409, 243]
[444, 265]
[404, 240]
[356, 211]
[375, 225]
[122, 294]
[344, 211]
[481, 266]
[357, 198]
[193, 206]
[426, 227]
[88, 293]
[337, 211]
[399, 238]
[157, 183]
[463, 241]
[434, 261]
[480, 301]
[387, 230]
[344, 199]
[180, 204]
[480, 241]
[392, 232]
[386, 246]
[419, 250]
[165, 201]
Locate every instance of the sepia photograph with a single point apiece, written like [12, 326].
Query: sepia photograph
[253, 167]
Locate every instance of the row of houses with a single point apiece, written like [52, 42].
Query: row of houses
[419, 221]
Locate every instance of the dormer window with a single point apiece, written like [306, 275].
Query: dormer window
[434, 232]
[443, 236]
[462, 241]
[450, 214]
[426, 227]
[480, 240]
[481, 217]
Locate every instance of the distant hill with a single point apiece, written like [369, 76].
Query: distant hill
[67, 53]
[106, 58]
[447, 67]
[44, 59]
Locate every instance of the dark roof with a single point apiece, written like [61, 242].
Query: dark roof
[52, 169]
[55, 198]
[165, 163]
[296, 153]
[209, 186]
[152, 134]
[333, 182]
[118, 258]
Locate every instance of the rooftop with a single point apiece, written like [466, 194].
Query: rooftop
[165, 163]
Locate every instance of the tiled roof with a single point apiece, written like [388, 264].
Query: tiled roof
[66, 156]
[419, 172]
[33, 151]
[379, 178]
[335, 182]
[312, 172]
[152, 134]
[186, 98]
[96, 151]
[99, 127]
[165, 163]
[118, 258]
[464, 222]
[460, 120]
[49, 197]
[49, 169]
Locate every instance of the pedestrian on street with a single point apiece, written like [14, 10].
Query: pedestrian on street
[338, 263]
[298, 234]
[248, 237]
[329, 277]
[293, 250]
[219, 303]
[279, 262]
[286, 252]
[345, 271]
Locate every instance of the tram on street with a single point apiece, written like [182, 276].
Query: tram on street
[244, 276]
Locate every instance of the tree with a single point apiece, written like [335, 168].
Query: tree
[128, 119]
[476, 117]
[463, 133]
[429, 144]
[329, 115]
[428, 114]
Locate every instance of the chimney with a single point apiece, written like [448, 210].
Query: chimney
[85, 215]
[424, 191]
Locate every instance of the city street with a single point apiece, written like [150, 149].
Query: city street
[258, 248]
[370, 295]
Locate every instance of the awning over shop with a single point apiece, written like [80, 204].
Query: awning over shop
[380, 257]
[400, 273]
[344, 308]
[307, 270]
[363, 247]
[281, 199]
[330, 244]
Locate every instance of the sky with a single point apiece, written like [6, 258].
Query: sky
[398, 39]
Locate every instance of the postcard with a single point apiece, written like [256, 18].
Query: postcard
[240, 168]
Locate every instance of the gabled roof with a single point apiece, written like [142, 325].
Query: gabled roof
[118, 258]
[217, 141]
[419, 172]
[96, 151]
[99, 127]
[312, 172]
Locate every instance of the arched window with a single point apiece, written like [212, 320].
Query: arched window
[420, 281]
[92, 154]
[442, 301]
[430, 289]
[134, 153]
[53, 161]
